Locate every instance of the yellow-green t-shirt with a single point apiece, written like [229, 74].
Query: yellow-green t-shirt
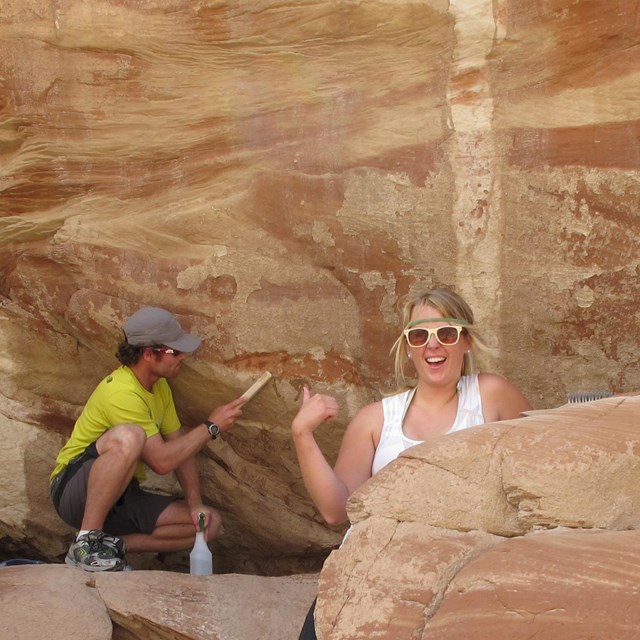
[121, 399]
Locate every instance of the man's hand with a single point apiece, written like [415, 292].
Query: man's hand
[211, 520]
[226, 415]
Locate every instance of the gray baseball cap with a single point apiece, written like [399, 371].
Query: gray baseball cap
[152, 325]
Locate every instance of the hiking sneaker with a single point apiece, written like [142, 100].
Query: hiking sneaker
[117, 544]
[120, 548]
[92, 552]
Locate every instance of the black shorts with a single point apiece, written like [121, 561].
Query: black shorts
[136, 511]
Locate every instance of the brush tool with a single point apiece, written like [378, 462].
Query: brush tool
[257, 386]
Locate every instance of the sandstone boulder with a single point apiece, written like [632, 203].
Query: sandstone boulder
[59, 603]
[41, 601]
[576, 466]
[506, 530]
[558, 585]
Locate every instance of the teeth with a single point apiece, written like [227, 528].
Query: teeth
[435, 360]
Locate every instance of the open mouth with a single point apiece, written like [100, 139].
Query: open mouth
[435, 360]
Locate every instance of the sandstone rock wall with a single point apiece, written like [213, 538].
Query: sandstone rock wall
[277, 174]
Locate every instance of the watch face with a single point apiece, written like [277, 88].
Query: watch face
[214, 429]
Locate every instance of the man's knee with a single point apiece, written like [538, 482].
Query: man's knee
[127, 439]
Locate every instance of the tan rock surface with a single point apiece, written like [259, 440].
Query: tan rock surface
[278, 174]
[559, 585]
[228, 607]
[460, 535]
[42, 601]
[389, 576]
[577, 466]
[57, 602]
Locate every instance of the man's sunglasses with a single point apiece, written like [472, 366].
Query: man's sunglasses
[446, 336]
[168, 350]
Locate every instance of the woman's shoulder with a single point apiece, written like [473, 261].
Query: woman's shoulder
[501, 399]
[494, 382]
[491, 380]
[369, 411]
[367, 422]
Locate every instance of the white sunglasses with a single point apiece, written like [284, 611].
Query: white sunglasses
[447, 336]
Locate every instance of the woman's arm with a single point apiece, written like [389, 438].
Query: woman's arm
[330, 488]
[501, 400]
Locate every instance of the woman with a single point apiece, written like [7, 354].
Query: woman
[438, 339]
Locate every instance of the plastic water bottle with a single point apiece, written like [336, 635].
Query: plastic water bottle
[200, 559]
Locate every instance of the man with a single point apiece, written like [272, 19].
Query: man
[128, 422]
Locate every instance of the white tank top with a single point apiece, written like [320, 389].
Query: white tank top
[392, 439]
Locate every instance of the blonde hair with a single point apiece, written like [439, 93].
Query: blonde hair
[450, 305]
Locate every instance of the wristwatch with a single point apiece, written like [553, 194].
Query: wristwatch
[214, 429]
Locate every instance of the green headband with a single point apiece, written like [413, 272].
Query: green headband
[421, 320]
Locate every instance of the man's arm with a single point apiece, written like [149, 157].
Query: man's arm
[187, 474]
[189, 480]
[166, 455]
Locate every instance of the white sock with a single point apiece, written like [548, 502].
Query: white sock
[82, 533]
